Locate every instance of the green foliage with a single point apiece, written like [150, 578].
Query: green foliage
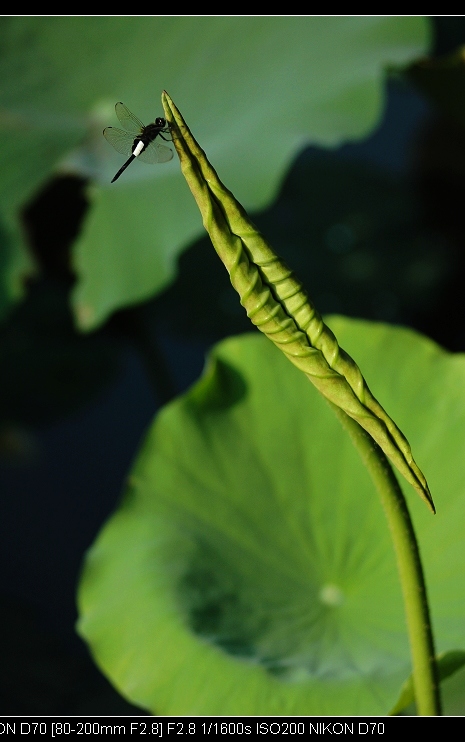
[277, 303]
[249, 568]
[448, 664]
[257, 88]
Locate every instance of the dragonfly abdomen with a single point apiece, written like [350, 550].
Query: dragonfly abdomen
[139, 146]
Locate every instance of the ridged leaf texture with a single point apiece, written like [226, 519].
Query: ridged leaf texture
[279, 306]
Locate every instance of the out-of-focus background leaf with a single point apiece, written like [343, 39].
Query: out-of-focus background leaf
[258, 570]
[449, 664]
[254, 90]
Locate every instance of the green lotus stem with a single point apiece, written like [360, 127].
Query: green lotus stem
[279, 306]
[425, 675]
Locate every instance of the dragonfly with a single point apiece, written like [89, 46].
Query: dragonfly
[138, 140]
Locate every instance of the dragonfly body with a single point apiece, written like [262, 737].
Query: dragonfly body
[138, 140]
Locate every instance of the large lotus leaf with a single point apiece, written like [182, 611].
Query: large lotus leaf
[249, 569]
[253, 89]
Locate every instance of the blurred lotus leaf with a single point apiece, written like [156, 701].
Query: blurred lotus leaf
[256, 89]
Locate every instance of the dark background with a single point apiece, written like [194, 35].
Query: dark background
[373, 230]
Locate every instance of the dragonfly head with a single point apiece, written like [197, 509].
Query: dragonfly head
[160, 122]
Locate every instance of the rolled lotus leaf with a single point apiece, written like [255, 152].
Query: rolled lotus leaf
[278, 305]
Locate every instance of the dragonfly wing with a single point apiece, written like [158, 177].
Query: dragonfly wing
[128, 120]
[121, 140]
[156, 153]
